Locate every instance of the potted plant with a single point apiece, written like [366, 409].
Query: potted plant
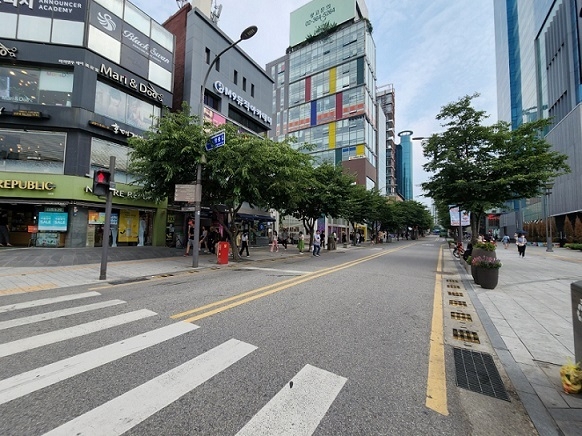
[486, 270]
[484, 249]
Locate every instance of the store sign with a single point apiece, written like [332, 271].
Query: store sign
[142, 88]
[59, 9]
[122, 194]
[114, 128]
[5, 51]
[29, 185]
[52, 221]
[109, 23]
[221, 89]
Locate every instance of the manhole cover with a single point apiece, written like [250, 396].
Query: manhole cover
[477, 372]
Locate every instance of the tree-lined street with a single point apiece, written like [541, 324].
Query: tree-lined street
[333, 345]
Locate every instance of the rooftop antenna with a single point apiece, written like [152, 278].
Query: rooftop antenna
[181, 3]
[215, 14]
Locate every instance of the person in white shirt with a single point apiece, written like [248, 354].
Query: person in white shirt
[244, 243]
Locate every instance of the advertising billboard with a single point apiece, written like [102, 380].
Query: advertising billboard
[465, 217]
[52, 221]
[70, 11]
[307, 19]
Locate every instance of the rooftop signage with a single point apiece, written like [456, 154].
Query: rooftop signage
[306, 19]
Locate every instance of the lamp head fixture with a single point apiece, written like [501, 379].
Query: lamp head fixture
[249, 32]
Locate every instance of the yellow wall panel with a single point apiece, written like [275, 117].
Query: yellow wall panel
[332, 79]
[331, 135]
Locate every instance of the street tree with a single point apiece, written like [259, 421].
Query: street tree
[325, 195]
[248, 168]
[478, 167]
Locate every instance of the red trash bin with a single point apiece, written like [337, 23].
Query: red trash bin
[222, 252]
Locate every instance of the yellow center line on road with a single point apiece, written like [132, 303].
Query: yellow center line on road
[271, 289]
[436, 385]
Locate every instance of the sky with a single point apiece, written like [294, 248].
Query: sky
[432, 52]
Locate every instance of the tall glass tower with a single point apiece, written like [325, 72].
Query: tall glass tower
[539, 64]
[325, 87]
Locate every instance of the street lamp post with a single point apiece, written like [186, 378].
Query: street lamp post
[249, 32]
[549, 243]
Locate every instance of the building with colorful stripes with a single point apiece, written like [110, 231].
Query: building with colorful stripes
[325, 86]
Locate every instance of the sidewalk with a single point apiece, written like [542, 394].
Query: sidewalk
[528, 319]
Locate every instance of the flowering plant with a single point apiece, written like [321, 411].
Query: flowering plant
[486, 262]
[487, 246]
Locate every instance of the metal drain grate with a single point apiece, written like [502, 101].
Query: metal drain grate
[452, 280]
[457, 303]
[461, 316]
[454, 286]
[477, 372]
[466, 335]
[456, 294]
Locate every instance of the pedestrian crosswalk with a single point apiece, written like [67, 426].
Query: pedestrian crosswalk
[296, 409]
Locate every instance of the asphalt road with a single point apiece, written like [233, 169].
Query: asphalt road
[332, 345]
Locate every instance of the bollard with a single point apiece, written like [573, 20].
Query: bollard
[576, 291]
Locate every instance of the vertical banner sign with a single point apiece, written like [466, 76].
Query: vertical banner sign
[454, 214]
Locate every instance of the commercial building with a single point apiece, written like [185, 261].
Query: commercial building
[76, 82]
[385, 96]
[237, 90]
[325, 91]
[539, 63]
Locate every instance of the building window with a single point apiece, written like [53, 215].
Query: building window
[244, 83]
[207, 53]
[119, 106]
[235, 78]
[32, 151]
[252, 90]
[217, 65]
[36, 86]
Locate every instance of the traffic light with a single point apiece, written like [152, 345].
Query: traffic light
[101, 180]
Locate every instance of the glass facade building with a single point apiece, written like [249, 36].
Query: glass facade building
[324, 95]
[538, 54]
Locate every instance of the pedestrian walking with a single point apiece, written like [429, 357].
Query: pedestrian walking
[274, 242]
[505, 241]
[244, 243]
[190, 233]
[316, 243]
[521, 243]
[301, 243]
[203, 240]
[284, 237]
[4, 230]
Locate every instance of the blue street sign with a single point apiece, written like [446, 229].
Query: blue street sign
[216, 140]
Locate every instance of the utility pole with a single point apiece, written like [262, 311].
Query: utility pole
[107, 224]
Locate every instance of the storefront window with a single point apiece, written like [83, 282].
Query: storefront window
[32, 152]
[36, 86]
[119, 106]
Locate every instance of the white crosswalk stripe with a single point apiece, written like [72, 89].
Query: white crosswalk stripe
[45, 301]
[126, 411]
[30, 343]
[31, 381]
[57, 314]
[295, 410]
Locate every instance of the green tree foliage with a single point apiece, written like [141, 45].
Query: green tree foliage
[247, 168]
[323, 192]
[479, 167]
[399, 215]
